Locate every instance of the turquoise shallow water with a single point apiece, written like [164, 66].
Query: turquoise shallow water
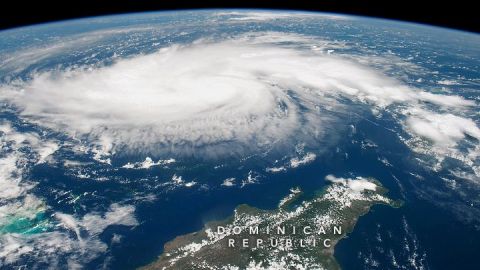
[26, 225]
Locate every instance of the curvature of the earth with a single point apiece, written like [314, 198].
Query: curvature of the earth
[120, 133]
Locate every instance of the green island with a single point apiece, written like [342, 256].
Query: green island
[299, 234]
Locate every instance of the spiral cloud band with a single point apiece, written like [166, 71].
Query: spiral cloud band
[250, 93]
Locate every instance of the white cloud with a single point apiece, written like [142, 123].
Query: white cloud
[447, 82]
[252, 178]
[443, 135]
[10, 182]
[269, 16]
[95, 223]
[70, 223]
[296, 162]
[444, 129]
[20, 59]
[178, 181]
[275, 169]
[257, 16]
[229, 182]
[358, 184]
[147, 163]
[46, 150]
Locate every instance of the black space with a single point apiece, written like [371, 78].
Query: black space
[458, 14]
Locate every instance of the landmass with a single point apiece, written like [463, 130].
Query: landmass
[299, 234]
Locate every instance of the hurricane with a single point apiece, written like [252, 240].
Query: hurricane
[217, 98]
